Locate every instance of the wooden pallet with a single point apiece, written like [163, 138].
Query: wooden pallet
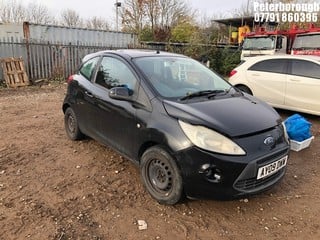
[14, 72]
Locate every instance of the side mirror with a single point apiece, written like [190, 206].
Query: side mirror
[241, 45]
[279, 43]
[120, 93]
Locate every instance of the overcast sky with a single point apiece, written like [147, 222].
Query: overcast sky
[106, 9]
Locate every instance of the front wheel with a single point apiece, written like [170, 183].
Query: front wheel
[161, 176]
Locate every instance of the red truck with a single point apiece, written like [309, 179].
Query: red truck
[296, 40]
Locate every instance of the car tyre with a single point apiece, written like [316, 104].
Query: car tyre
[244, 89]
[161, 176]
[71, 125]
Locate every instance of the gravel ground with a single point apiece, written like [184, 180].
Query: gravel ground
[53, 188]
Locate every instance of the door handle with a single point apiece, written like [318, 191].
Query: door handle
[294, 80]
[89, 94]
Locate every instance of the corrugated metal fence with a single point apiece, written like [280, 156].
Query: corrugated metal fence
[52, 51]
[47, 61]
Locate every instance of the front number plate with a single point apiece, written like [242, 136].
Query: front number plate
[272, 168]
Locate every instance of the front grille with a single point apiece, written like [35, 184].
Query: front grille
[272, 157]
[253, 183]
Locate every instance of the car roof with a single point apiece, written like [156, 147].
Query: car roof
[132, 53]
[252, 60]
[284, 56]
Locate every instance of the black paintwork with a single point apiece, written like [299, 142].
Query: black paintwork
[132, 123]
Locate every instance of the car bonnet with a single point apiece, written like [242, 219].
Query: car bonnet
[234, 116]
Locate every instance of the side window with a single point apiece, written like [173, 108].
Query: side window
[273, 65]
[114, 73]
[88, 67]
[305, 69]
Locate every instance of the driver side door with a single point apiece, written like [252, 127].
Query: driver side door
[115, 120]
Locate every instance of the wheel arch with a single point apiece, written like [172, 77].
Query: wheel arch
[145, 146]
[149, 144]
[65, 107]
[242, 86]
[164, 139]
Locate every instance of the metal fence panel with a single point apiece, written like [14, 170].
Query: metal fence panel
[38, 33]
[55, 51]
[80, 36]
[12, 49]
[47, 61]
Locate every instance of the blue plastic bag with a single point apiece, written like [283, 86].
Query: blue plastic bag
[298, 128]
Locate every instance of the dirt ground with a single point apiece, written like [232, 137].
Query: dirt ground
[53, 188]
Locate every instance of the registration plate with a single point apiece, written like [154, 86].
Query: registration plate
[272, 168]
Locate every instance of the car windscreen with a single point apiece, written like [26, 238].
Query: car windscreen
[306, 41]
[176, 77]
[259, 43]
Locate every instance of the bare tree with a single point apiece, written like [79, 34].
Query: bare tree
[71, 18]
[5, 13]
[245, 10]
[37, 13]
[159, 15]
[97, 23]
[167, 13]
[133, 15]
[152, 10]
[12, 12]
[171, 12]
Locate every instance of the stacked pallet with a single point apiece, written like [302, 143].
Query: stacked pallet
[14, 72]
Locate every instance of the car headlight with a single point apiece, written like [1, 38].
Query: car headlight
[210, 140]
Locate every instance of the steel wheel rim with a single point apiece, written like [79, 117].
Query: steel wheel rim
[71, 124]
[160, 176]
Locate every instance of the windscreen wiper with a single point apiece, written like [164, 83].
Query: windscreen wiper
[299, 48]
[305, 48]
[208, 93]
[251, 48]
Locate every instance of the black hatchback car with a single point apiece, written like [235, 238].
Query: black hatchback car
[190, 132]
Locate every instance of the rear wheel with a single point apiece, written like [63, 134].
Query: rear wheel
[244, 89]
[71, 125]
[161, 176]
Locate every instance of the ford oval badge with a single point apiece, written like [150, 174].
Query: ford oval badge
[269, 141]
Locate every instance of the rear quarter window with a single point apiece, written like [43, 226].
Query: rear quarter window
[88, 67]
[305, 69]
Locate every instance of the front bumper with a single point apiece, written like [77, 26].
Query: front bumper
[210, 175]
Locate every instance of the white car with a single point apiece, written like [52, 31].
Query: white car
[284, 81]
